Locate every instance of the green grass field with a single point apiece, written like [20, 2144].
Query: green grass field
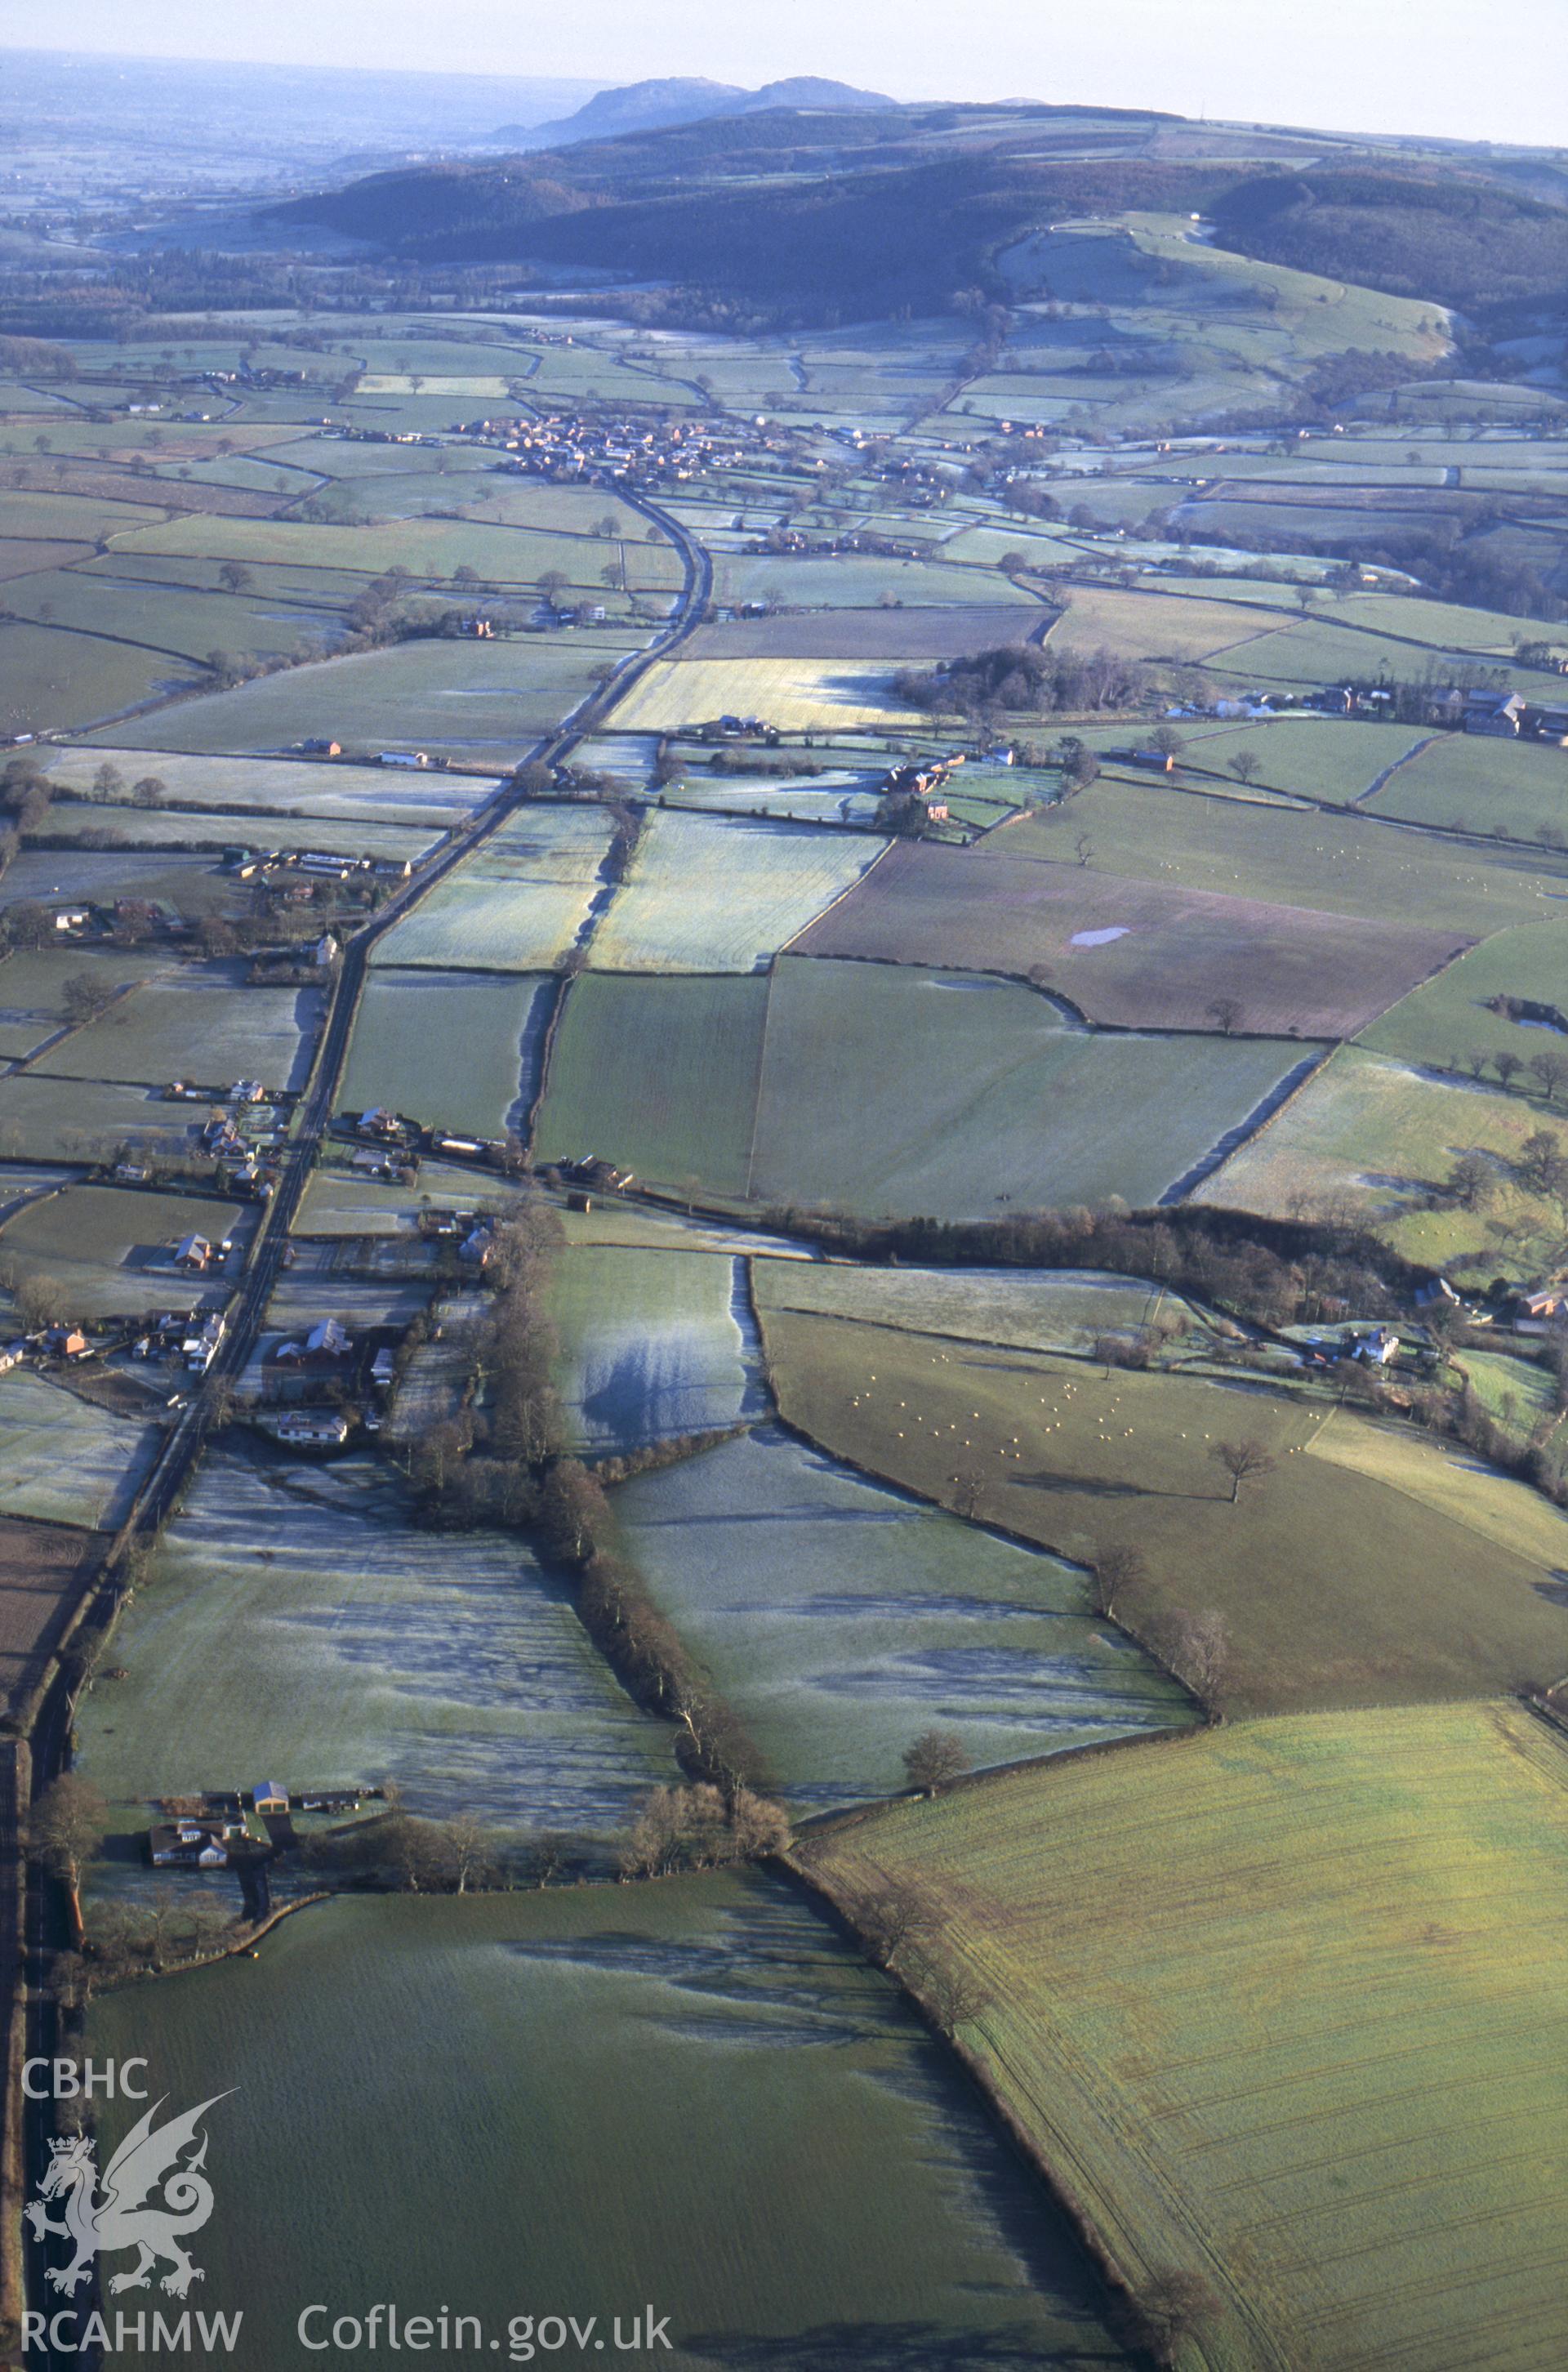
[1339, 865]
[289, 785]
[797, 696]
[1447, 1019]
[455, 1049]
[57, 680]
[650, 1344]
[485, 701]
[1067, 1310]
[1378, 1138]
[658, 1074]
[109, 1248]
[1397, 1567]
[1283, 2005]
[850, 2190]
[73, 1120]
[1517, 788]
[32, 988]
[724, 893]
[887, 1089]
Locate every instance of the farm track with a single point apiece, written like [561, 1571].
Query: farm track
[175, 1461]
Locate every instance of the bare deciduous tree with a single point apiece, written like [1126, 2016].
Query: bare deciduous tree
[65, 1829]
[1118, 1567]
[1241, 1461]
[954, 1996]
[898, 1917]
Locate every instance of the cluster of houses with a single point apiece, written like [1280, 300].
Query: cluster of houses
[49, 1345]
[913, 793]
[607, 450]
[862, 539]
[194, 1336]
[1504, 715]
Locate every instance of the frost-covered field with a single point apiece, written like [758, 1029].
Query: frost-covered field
[517, 905]
[63, 1460]
[1065, 1310]
[841, 1618]
[296, 1623]
[724, 893]
[653, 1343]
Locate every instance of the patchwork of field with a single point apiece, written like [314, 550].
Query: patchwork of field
[201, 1025]
[111, 1248]
[797, 696]
[63, 1460]
[456, 1051]
[724, 893]
[293, 1620]
[1285, 2005]
[654, 1343]
[840, 1619]
[1386, 1584]
[867, 2193]
[518, 904]
[1131, 953]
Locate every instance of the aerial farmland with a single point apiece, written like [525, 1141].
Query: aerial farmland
[784, 1221]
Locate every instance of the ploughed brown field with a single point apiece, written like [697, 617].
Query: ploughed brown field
[872, 634]
[1132, 954]
[43, 1570]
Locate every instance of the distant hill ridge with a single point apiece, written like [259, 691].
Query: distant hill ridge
[683, 99]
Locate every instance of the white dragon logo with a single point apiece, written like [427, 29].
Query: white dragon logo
[128, 2216]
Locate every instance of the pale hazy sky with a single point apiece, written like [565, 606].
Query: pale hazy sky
[1494, 69]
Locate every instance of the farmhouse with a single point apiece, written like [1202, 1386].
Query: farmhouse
[1546, 1307]
[1378, 1347]
[324, 1345]
[1496, 713]
[200, 1348]
[189, 1845]
[387, 1164]
[313, 1429]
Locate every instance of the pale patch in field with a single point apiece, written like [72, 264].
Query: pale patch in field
[1098, 938]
